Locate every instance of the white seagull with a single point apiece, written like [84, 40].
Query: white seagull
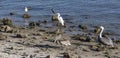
[106, 41]
[26, 9]
[60, 19]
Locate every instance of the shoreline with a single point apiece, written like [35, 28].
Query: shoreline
[36, 41]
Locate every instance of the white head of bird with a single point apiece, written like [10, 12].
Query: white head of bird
[60, 19]
[26, 9]
[102, 27]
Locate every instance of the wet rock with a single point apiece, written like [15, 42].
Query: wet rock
[38, 23]
[97, 48]
[12, 13]
[83, 27]
[54, 18]
[83, 37]
[3, 36]
[22, 35]
[32, 25]
[7, 21]
[26, 15]
[45, 21]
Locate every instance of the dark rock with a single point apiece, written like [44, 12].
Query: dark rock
[38, 23]
[66, 55]
[32, 24]
[12, 13]
[83, 37]
[22, 35]
[26, 16]
[7, 21]
[83, 27]
[45, 21]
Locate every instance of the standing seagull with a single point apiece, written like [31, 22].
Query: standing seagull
[106, 41]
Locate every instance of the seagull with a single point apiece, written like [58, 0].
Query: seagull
[105, 41]
[60, 19]
[26, 9]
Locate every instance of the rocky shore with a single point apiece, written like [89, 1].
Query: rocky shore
[37, 41]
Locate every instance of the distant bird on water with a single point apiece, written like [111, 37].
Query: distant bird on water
[105, 41]
[26, 9]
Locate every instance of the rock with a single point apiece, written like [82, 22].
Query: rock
[7, 21]
[37, 34]
[54, 18]
[26, 16]
[83, 37]
[83, 27]
[6, 29]
[32, 25]
[66, 55]
[38, 23]
[3, 36]
[12, 13]
[22, 35]
[97, 30]
[45, 21]
[97, 48]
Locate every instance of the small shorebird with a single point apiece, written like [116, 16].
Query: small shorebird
[58, 40]
[105, 41]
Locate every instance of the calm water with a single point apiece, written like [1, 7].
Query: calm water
[99, 12]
